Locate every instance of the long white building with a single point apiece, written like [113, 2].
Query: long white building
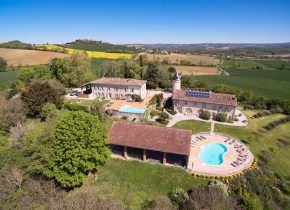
[116, 88]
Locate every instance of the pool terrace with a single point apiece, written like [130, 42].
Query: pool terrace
[237, 158]
[116, 105]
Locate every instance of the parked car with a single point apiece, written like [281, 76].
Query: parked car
[74, 93]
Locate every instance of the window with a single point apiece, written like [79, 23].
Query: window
[116, 89]
[132, 90]
[109, 88]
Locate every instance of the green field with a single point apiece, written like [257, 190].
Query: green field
[264, 87]
[253, 64]
[6, 78]
[257, 138]
[134, 182]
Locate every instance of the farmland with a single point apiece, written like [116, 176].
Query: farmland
[269, 88]
[92, 54]
[28, 57]
[98, 46]
[256, 64]
[264, 78]
[197, 70]
[175, 58]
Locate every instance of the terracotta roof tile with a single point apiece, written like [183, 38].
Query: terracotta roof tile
[119, 81]
[170, 140]
[214, 98]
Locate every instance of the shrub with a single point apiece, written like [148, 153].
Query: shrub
[3, 64]
[266, 155]
[75, 107]
[137, 98]
[11, 112]
[37, 93]
[18, 135]
[204, 115]
[97, 109]
[170, 111]
[164, 115]
[155, 113]
[209, 198]
[162, 120]
[48, 111]
[178, 196]
[149, 204]
[221, 117]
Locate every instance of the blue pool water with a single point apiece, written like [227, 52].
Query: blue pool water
[131, 109]
[212, 154]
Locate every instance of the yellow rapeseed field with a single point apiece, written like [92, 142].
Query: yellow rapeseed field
[92, 54]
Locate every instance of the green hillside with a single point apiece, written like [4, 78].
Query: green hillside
[100, 46]
[16, 45]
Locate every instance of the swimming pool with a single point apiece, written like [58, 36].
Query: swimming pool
[212, 154]
[131, 109]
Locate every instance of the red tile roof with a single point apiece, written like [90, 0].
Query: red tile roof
[170, 140]
[214, 98]
[119, 81]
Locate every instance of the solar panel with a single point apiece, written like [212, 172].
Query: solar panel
[197, 94]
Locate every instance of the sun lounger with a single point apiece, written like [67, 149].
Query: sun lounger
[233, 165]
[235, 162]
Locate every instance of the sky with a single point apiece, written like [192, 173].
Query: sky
[146, 21]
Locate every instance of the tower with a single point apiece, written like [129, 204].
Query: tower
[176, 82]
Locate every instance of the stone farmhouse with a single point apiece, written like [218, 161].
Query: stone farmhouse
[191, 102]
[116, 88]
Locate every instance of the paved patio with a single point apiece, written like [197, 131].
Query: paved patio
[237, 152]
[115, 104]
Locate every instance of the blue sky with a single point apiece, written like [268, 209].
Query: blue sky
[146, 21]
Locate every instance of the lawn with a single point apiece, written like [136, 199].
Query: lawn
[134, 182]
[257, 138]
[6, 78]
[195, 126]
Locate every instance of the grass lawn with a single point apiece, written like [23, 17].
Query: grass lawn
[256, 137]
[6, 78]
[134, 182]
[195, 126]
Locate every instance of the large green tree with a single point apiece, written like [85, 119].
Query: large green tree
[151, 74]
[80, 147]
[73, 71]
[38, 72]
[38, 92]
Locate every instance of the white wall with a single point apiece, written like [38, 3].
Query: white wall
[114, 92]
[182, 106]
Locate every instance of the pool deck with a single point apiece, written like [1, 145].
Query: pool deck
[115, 104]
[195, 165]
